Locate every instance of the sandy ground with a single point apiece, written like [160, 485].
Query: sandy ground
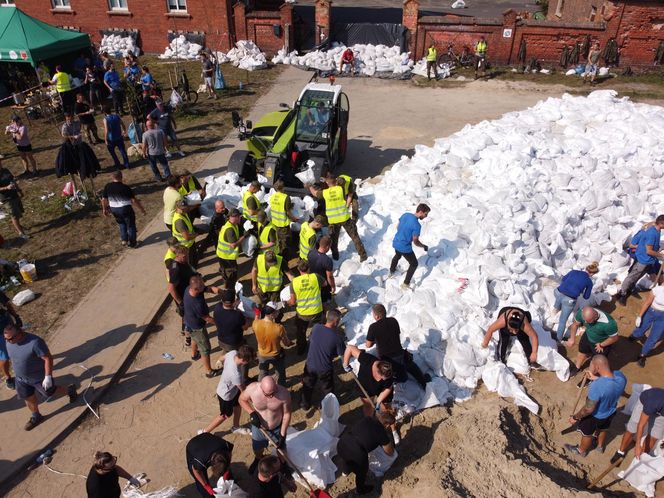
[484, 447]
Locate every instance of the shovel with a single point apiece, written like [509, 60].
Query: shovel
[572, 427]
[314, 493]
[606, 471]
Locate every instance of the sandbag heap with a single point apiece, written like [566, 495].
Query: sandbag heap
[526, 198]
[370, 59]
[245, 55]
[118, 46]
[182, 49]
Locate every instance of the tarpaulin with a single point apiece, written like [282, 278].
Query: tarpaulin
[388, 34]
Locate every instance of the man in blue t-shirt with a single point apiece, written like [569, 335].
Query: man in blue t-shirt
[325, 344]
[408, 233]
[601, 404]
[112, 82]
[647, 256]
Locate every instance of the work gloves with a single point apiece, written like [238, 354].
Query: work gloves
[425, 247]
[47, 383]
[281, 442]
[255, 419]
[638, 321]
[347, 368]
[209, 490]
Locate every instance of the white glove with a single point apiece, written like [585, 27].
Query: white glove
[47, 383]
[638, 321]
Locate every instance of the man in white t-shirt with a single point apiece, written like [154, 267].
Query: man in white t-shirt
[651, 317]
[231, 384]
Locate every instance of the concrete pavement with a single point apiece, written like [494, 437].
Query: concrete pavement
[100, 335]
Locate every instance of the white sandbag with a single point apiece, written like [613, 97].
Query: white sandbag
[380, 462]
[23, 297]
[644, 473]
[249, 245]
[498, 378]
[193, 198]
[307, 177]
[228, 488]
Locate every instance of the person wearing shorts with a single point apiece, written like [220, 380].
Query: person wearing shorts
[208, 75]
[601, 404]
[601, 332]
[647, 419]
[33, 366]
[196, 316]
[10, 199]
[591, 65]
[231, 384]
[19, 133]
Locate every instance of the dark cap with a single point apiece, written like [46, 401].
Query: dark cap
[228, 296]
[268, 310]
[234, 212]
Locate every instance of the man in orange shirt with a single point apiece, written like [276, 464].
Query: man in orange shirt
[270, 337]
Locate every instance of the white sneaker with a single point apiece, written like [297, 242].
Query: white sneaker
[395, 436]
[200, 431]
[241, 430]
[168, 155]
[180, 153]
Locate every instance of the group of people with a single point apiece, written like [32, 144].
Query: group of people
[479, 60]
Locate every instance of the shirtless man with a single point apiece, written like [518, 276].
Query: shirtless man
[269, 406]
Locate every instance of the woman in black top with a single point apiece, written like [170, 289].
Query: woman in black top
[104, 477]
[513, 323]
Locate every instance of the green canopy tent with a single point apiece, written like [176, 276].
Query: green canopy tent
[26, 39]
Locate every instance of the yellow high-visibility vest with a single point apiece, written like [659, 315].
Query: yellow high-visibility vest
[264, 238]
[306, 232]
[335, 205]
[269, 279]
[307, 293]
[347, 182]
[245, 210]
[278, 210]
[432, 54]
[187, 189]
[190, 228]
[62, 82]
[224, 249]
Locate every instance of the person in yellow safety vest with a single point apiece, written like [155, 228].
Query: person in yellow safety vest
[184, 231]
[480, 57]
[281, 212]
[432, 58]
[306, 296]
[267, 276]
[309, 234]
[250, 203]
[172, 243]
[347, 184]
[337, 210]
[267, 234]
[62, 82]
[188, 184]
[228, 248]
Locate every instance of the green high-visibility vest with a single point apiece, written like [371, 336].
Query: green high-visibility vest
[245, 210]
[335, 205]
[278, 210]
[190, 228]
[307, 293]
[432, 54]
[264, 238]
[306, 232]
[269, 279]
[224, 249]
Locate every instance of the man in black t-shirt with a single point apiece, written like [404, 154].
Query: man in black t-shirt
[374, 375]
[355, 445]
[321, 264]
[179, 274]
[196, 317]
[217, 221]
[231, 324]
[86, 115]
[270, 477]
[384, 333]
[10, 197]
[208, 451]
[118, 199]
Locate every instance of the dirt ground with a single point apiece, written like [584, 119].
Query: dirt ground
[485, 447]
[73, 249]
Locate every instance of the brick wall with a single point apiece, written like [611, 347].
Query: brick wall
[259, 27]
[573, 10]
[323, 15]
[149, 17]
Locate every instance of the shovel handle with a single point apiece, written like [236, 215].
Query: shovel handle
[578, 398]
[603, 474]
[283, 455]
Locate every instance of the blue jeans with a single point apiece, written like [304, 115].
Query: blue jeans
[654, 319]
[566, 305]
[112, 144]
[126, 219]
[161, 159]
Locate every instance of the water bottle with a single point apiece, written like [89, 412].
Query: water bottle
[168, 356]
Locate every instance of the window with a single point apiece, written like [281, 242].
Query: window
[61, 4]
[560, 7]
[6, 2]
[593, 13]
[177, 5]
[118, 4]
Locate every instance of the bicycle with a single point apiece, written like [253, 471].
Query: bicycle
[183, 89]
[449, 59]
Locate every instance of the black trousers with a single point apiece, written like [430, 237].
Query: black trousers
[301, 326]
[505, 340]
[309, 381]
[402, 365]
[354, 459]
[412, 264]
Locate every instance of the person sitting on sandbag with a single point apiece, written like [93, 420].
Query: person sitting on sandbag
[513, 323]
[355, 445]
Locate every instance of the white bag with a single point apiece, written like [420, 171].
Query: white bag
[228, 488]
[380, 462]
[176, 99]
[307, 176]
[249, 245]
[23, 297]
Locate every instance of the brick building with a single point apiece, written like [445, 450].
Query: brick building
[219, 22]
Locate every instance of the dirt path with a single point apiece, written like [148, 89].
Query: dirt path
[484, 447]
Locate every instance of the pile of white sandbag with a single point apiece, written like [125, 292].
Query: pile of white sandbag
[181, 48]
[444, 71]
[369, 59]
[516, 203]
[246, 55]
[118, 46]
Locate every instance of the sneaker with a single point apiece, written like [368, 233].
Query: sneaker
[213, 373]
[33, 422]
[617, 456]
[200, 431]
[180, 153]
[124, 243]
[168, 155]
[71, 392]
[574, 449]
[536, 366]
[243, 431]
[197, 356]
[10, 383]
[642, 361]
[396, 438]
